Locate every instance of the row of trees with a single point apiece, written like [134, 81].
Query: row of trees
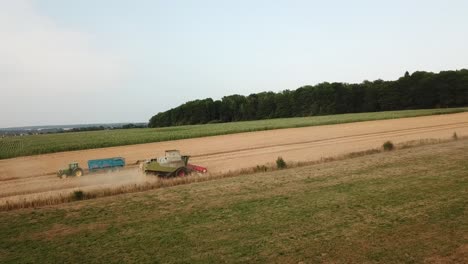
[418, 90]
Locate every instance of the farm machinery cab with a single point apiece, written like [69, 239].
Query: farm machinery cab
[72, 170]
[171, 165]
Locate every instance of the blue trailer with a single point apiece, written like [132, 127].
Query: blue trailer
[106, 164]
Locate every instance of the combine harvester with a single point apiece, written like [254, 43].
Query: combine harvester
[93, 166]
[171, 165]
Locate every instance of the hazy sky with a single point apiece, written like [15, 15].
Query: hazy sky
[87, 61]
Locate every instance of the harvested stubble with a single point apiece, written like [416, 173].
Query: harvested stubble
[163, 183]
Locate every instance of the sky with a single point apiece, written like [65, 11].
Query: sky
[87, 61]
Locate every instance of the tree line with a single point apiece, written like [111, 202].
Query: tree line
[412, 91]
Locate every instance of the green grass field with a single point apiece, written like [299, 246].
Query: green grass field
[11, 147]
[405, 206]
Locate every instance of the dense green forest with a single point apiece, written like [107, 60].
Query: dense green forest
[412, 91]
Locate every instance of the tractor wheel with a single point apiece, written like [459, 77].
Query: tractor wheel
[180, 172]
[63, 176]
[78, 173]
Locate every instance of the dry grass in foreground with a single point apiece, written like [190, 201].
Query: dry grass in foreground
[78, 195]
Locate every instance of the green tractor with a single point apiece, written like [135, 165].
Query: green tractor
[72, 170]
